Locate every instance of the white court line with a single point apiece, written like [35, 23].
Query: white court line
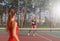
[2, 28]
[43, 37]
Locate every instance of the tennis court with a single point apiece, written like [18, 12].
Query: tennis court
[42, 34]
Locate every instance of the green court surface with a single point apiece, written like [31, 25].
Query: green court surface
[50, 31]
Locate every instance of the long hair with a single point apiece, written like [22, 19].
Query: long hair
[11, 13]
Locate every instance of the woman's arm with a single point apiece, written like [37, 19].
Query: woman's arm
[14, 31]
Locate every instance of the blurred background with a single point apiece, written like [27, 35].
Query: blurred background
[46, 12]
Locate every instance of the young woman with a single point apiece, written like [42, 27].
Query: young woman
[12, 27]
[34, 26]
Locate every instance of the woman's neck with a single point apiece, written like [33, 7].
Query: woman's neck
[12, 19]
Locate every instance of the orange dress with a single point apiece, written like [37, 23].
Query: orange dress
[11, 38]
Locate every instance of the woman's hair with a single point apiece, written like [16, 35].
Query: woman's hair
[11, 13]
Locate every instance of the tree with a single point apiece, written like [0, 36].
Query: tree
[23, 6]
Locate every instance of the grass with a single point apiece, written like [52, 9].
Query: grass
[2, 26]
[43, 26]
[39, 26]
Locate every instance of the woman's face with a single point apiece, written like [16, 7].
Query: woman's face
[33, 17]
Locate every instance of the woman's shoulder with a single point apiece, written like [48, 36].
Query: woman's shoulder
[14, 23]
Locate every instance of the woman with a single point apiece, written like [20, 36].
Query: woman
[12, 27]
[34, 26]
